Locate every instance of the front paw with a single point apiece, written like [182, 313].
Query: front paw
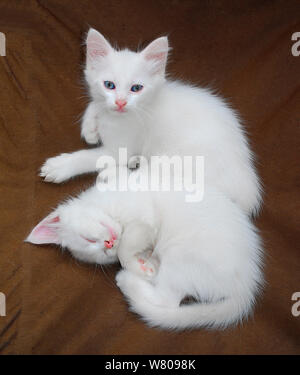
[142, 266]
[57, 169]
[132, 286]
[125, 281]
[91, 136]
[147, 267]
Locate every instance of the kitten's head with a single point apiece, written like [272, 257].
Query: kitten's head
[124, 81]
[93, 240]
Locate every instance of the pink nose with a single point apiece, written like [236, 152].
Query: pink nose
[121, 103]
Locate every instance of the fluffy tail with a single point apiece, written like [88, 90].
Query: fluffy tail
[211, 315]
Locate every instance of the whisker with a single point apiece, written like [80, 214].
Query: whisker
[145, 111]
[110, 282]
[94, 274]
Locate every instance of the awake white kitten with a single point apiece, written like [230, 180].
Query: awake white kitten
[134, 106]
[169, 249]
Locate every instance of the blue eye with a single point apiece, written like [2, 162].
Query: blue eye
[109, 85]
[136, 88]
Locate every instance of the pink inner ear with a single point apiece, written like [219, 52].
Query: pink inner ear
[156, 53]
[156, 56]
[54, 220]
[97, 46]
[45, 232]
[95, 50]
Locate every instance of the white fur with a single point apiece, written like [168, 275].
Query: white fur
[208, 250]
[165, 118]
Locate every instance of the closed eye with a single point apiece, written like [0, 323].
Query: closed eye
[136, 88]
[89, 240]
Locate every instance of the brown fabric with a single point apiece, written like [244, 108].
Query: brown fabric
[56, 305]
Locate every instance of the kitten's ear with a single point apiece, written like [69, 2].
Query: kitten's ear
[46, 231]
[157, 53]
[96, 46]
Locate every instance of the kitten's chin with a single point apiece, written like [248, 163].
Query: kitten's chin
[118, 112]
[121, 110]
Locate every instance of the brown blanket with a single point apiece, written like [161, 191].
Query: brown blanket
[56, 305]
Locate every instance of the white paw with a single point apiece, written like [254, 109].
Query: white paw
[142, 265]
[133, 286]
[57, 169]
[125, 281]
[91, 136]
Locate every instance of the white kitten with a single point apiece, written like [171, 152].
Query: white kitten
[169, 249]
[134, 106]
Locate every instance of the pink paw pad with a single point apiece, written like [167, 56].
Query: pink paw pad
[144, 268]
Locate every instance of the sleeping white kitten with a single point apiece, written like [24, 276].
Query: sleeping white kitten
[169, 249]
[134, 106]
